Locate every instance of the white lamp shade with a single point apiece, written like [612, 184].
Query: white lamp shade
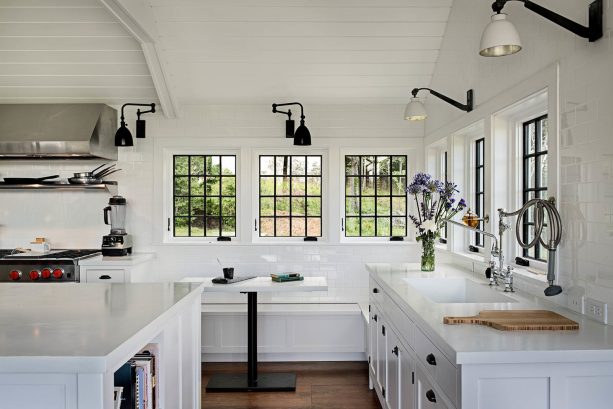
[500, 37]
[415, 111]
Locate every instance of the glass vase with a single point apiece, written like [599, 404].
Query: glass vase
[427, 256]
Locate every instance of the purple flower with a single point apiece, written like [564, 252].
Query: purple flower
[461, 204]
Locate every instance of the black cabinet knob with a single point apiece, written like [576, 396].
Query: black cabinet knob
[375, 290]
[431, 396]
[395, 351]
[431, 359]
[374, 317]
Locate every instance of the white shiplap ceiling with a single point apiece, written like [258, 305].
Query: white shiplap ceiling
[69, 51]
[314, 51]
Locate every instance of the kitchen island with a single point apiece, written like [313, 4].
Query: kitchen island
[60, 345]
[417, 361]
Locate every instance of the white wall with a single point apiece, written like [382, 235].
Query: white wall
[586, 123]
[74, 219]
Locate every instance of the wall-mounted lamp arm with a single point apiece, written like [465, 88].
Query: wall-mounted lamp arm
[592, 32]
[464, 107]
[139, 112]
[274, 108]
[276, 111]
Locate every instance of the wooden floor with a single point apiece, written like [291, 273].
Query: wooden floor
[320, 385]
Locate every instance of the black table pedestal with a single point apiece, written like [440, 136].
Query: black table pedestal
[251, 381]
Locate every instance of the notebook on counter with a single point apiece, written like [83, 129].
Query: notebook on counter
[284, 277]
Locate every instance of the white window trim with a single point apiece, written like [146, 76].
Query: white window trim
[411, 169]
[168, 205]
[255, 193]
[435, 157]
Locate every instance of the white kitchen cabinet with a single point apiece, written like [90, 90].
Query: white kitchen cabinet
[372, 341]
[392, 393]
[426, 394]
[128, 269]
[406, 398]
[104, 275]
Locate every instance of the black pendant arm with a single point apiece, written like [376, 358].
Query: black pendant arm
[139, 112]
[592, 32]
[274, 108]
[276, 111]
[464, 107]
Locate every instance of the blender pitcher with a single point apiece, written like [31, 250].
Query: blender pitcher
[117, 210]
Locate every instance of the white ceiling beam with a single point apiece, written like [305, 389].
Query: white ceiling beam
[138, 19]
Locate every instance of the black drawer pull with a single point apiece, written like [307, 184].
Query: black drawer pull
[395, 351]
[375, 290]
[104, 277]
[431, 396]
[374, 317]
[431, 359]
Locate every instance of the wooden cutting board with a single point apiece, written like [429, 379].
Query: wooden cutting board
[518, 320]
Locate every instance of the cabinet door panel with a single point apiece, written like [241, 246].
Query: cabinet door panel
[427, 396]
[393, 370]
[382, 353]
[372, 340]
[104, 275]
[407, 388]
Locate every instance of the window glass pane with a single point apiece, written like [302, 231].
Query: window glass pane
[181, 206]
[352, 226]
[298, 165]
[181, 229]
[313, 226]
[352, 206]
[383, 206]
[368, 226]
[181, 186]
[383, 226]
[383, 165]
[531, 137]
[267, 226]
[228, 206]
[314, 186]
[212, 186]
[267, 186]
[197, 165]
[282, 206]
[298, 206]
[282, 165]
[181, 165]
[213, 225]
[399, 165]
[282, 185]
[228, 165]
[228, 226]
[267, 165]
[197, 226]
[213, 165]
[368, 166]
[352, 186]
[298, 227]
[543, 168]
[352, 165]
[298, 186]
[399, 185]
[383, 185]
[531, 176]
[368, 186]
[196, 186]
[267, 206]
[228, 186]
[197, 206]
[314, 165]
[212, 206]
[368, 206]
[282, 224]
[313, 206]
[399, 226]
[544, 135]
[399, 206]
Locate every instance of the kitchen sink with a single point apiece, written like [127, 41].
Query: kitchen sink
[457, 290]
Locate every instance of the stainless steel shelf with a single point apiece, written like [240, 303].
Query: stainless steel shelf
[111, 187]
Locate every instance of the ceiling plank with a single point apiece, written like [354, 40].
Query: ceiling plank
[144, 30]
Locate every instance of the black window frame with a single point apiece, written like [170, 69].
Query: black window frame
[190, 196]
[274, 196]
[375, 195]
[479, 175]
[539, 187]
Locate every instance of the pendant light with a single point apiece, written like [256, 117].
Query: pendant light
[123, 136]
[501, 38]
[302, 136]
[416, 111]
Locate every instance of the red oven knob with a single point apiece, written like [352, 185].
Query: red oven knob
[15, 275]
[45, 273]
[58, 273]
[34, 275]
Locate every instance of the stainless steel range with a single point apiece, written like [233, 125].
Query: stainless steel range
[57, 266]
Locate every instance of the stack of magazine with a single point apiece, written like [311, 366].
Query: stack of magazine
[135, 381]
[280, 278]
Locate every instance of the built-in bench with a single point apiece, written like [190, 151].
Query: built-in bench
[286, 332]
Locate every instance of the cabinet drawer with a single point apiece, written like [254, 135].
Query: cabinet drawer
[427, 396]
[105, 275]
[376, 292]
[440, 368]
[404, 325]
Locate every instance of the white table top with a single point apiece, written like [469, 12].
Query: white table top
[263, 284]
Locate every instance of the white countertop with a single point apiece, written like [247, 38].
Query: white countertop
[78, 323]
[464, 344]
[263, 284]
[131, 260]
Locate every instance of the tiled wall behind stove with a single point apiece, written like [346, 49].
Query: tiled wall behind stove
[586, 109]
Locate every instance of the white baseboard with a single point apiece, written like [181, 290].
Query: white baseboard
[288, 357]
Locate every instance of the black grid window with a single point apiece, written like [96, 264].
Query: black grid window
[444, 171]
[375, 197]
[204, 195]
[535, 144]
[290, 195]
[479, 186]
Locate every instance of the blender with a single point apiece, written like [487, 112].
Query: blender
[118, 242]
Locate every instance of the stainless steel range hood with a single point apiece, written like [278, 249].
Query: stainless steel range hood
[57, 131]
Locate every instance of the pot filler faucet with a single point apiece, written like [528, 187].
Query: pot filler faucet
[553, 225]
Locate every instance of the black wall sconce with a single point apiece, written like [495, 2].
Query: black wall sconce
[501, 38]
[416, 111]
[123, 136]
[302, 136]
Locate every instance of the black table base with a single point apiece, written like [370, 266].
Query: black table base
[252, 382]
